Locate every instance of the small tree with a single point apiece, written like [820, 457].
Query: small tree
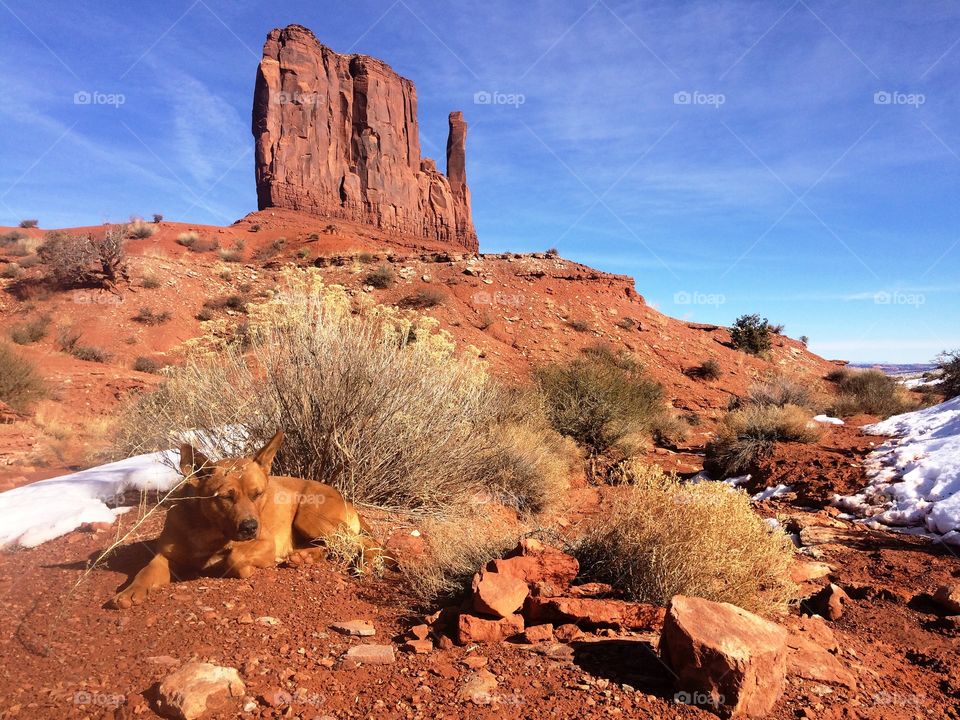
[751, 333]
[29, 223]
[83, 260]
[949, 364]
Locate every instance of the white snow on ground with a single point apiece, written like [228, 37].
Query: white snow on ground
[35, 513]
[914, 477]
[771, 492]
[828, 420]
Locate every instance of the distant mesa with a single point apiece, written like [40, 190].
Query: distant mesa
[337, 136]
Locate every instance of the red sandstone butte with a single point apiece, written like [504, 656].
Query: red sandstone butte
[337, 136]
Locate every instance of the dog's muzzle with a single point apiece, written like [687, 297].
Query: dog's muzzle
[247, 530]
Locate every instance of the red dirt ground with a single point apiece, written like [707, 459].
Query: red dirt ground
[67, 656]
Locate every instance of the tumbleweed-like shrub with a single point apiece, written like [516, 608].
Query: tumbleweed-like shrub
[20, 384]
[373, 400]
[747, 435]
[872, 392]
[662, 537]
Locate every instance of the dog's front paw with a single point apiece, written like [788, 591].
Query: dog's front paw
[133, 595]
[307, 556]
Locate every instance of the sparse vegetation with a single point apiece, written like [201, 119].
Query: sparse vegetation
[663, 538]
[148, 316]
[150, 281]
[254, 228]
[602, 405]
[230, 256]
[606, 353]
[84, 260]
[18, 250]
[203, 245]
[30, 331]
[751, 333]
[232, 302]
[20, 384]
[628, 323]
[90, 353]
[869, 392]
[709, 369]
[29, 223]
[187, 239]
[780, 390]
[749, 434]
[373, 400]
[157, 218]
[139, 230]
[804, 340]
[29, 261]
[381, 278]
[552, 252]
[11, 237]
[581, 326]
[424, 299]
[949, 365]
[147, 365]
[10, 271]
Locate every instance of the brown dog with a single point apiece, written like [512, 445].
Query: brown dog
[232, 516]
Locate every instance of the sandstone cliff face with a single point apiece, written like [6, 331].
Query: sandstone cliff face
[337, 136]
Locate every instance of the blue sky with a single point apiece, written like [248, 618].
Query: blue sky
[796, 158]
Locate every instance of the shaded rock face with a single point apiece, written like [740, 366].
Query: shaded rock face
[337, 136]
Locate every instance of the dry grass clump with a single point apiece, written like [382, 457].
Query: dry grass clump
[140, 230]
[602, 405]
[869, 392]
[663, 538]
[187, 239]
[381, 278]
[424, 299]
[149, 316]
[20, 384]
[709, 369]
[30, 331]
[751, 433]
[780, 390]
[374, 401]
[454, 549]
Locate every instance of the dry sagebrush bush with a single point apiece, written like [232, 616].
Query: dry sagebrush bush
[780, 390]
[871, 392]
[20, 384]
[749, 434]
[454, 549]
[603, 405]
[663, 538]
[372, 400]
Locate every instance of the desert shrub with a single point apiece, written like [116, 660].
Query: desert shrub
[780, 390]
[12, 236]
[67, 338]
[139, 230]
[777, 329]
[751, 333]
[233, 302]
[709, 369]
[805, 340]
[29, 261]
[627, 323]
[254, 228]
[606, 353]
[147, 365]
[19, 250]
[373, 400]
[424, 299]
[187, 239]
[29, 223]
[148, 316]
[202, 245]
[157, 218]
[85, 260]
[31, 331]
[10, 271]
[662, 537]
[949, 365]
[205, 314]
[599, 404]
[749, 434]
[870, 392]
[150, 281]
[455, 548]
[90, 353]
[581, 326]
[20, 385]
[230, 256]
[383, 277]
[552, 252]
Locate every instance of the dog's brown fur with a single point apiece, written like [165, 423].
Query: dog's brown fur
[232, 516]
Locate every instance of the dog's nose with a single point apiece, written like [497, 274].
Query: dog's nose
[248, 528]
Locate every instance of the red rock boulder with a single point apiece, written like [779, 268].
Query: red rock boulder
[594, 613]
[473, 629]
[497, 594]
[539, 565]
[725, 658]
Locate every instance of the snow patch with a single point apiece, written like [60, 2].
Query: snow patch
[39, 512]
[914, 477]
[828, 420]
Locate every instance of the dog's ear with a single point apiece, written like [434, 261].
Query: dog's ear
[192, 461]
[264, 456]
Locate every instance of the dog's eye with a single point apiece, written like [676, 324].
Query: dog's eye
[257, 494]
